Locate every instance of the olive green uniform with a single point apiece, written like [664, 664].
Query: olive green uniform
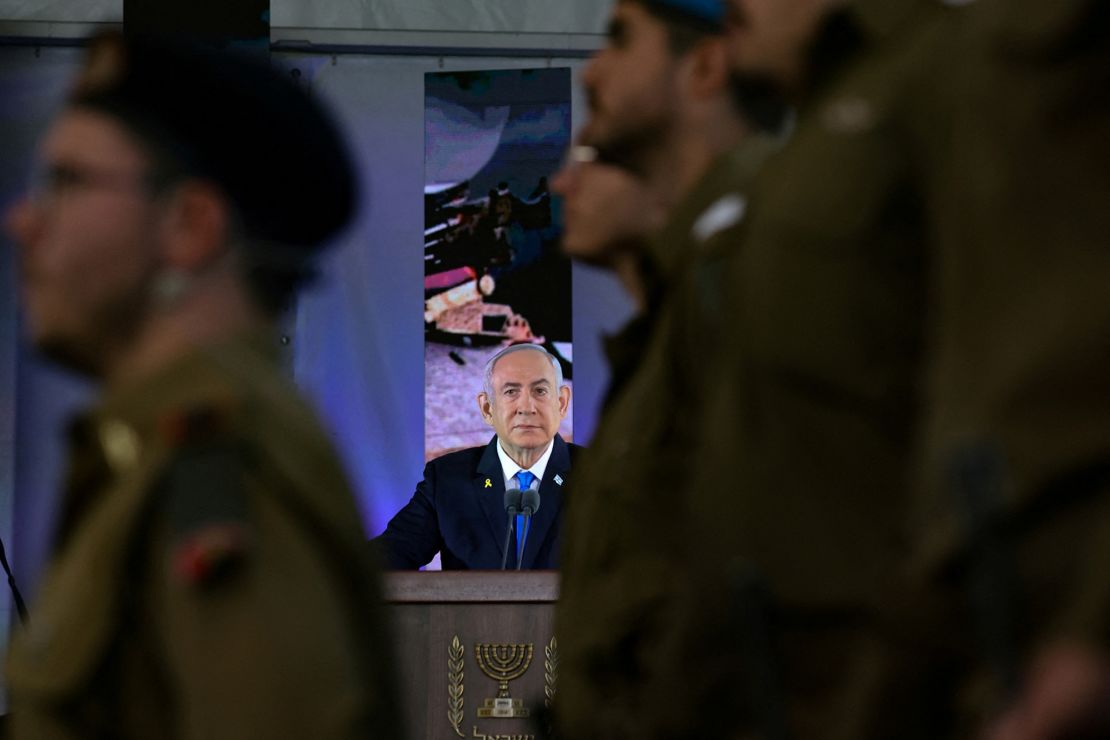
[209, 578]
[1019, 370]
[812, 435]
[625, 554]
[916, 289]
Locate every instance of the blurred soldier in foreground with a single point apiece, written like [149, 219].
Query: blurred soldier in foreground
[208, 579]
[818, 402]
[912, 310]
[1014, 517]
[663, 108]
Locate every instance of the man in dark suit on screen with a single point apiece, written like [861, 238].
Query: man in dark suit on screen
[458, 510]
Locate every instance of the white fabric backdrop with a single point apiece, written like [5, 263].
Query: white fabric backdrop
[516, 16]
[479, 16]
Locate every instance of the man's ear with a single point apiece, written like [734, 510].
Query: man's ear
[709, 68]
[485, 407]
[564, 401]
[196, 226]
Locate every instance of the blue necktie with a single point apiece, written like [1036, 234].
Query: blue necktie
[524, 478]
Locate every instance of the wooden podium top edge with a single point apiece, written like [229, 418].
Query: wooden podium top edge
[472, 586]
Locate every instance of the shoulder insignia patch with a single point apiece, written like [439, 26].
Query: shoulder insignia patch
[207, 510]
[189, 426]
[725, 213]
[209, 553]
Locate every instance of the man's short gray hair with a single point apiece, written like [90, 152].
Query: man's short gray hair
[487, 385]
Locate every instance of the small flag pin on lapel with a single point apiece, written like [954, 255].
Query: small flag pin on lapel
[559, 479]
[489, 484]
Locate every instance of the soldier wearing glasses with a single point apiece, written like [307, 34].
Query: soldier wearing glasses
[208, 577]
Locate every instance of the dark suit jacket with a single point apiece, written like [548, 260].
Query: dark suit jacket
[458, 510]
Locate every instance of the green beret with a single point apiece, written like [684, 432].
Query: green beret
[234, 120]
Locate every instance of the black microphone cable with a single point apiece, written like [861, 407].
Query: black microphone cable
[20, 607]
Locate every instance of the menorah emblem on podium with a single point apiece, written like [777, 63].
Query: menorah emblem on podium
[503, 663]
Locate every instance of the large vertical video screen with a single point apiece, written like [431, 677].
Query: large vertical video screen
[493, 272]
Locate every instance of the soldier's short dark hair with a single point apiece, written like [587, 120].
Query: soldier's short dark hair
[687, 21]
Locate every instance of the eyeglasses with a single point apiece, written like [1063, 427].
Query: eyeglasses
[52, 182]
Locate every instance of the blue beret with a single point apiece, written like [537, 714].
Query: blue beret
[711, 12]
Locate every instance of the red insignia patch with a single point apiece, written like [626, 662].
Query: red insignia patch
[208, 553]
[193, 425]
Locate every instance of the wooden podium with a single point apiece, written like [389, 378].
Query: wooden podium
[476, 652]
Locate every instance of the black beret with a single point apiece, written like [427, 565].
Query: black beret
[233, 119]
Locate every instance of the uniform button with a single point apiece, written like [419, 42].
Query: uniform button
[120, 445]
[849, 115]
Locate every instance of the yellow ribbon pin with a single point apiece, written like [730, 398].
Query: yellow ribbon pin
[488, 483]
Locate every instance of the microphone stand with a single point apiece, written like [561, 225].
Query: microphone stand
[530, 503]
[512, 508]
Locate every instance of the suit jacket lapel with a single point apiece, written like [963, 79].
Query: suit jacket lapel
[492, 497]
[551, 500]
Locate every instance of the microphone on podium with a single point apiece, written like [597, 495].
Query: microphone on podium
[512, 508]
[529, 504]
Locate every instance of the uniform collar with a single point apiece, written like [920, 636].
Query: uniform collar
[851, 28]
[1038, 27]
[202, 377]
[668, 251]
[624, 350]
[878, 19]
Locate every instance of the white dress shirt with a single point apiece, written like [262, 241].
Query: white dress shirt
[509, 468]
